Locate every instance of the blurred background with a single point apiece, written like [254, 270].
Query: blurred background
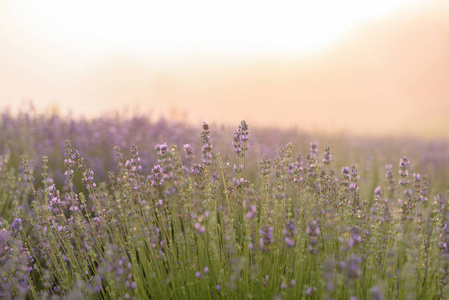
[365, 67]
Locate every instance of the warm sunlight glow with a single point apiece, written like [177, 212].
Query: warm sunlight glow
[365, 66]
[177, 28]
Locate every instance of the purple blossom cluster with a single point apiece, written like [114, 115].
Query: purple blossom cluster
[177, 217]
[314, 232]
[266, 238]
[403, 171]
[189, 152]
[265, 166]
[240, 142]
[327, 155]
[207, 146]
[290, 233]
[390, 178]
[252, 212]
[15, 266]
[156, 177]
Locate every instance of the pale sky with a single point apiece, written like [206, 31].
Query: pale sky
[168, 29]
[194, 56]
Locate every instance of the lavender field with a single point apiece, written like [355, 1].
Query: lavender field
[129, 208]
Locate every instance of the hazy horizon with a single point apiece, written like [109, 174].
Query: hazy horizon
[378, 71]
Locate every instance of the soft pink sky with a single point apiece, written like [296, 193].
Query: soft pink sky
[367, 66]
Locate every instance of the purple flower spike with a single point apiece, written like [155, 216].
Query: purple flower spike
[266, 238]
[289, 233]
[200, 228]
[241, 139]
[327, 155]
[197, 226]
[189, 152]
[207, 146]
[378, 191]
[313, 149]
[310, 291]
[289, 242]
[403, 172]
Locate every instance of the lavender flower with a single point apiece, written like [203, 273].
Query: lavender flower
[15, 266]
[376, 293]
[200, 228]
[313, 150]
[156, 178]
[354, 190]
[207, 146]
[241, 139]
[313, 230]
[312, 164]
[16, 226]
[161, 150]
[289, 233]
[265, 166]
[420, 185]
[88, 179]
[390, 177]
[403, 172]
[352, 267]
[310, 291]
[329, 274]
[187, 215]
[26, 169]
[298, 170]
[238, 169]
[252, 213]
[327, 155]
[346, 177]
[378, 191]
[188, 150]
[355, 237]
[266, 238]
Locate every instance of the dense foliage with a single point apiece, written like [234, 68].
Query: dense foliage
[190, 213]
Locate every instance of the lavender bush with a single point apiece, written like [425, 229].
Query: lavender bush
[126, 208]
